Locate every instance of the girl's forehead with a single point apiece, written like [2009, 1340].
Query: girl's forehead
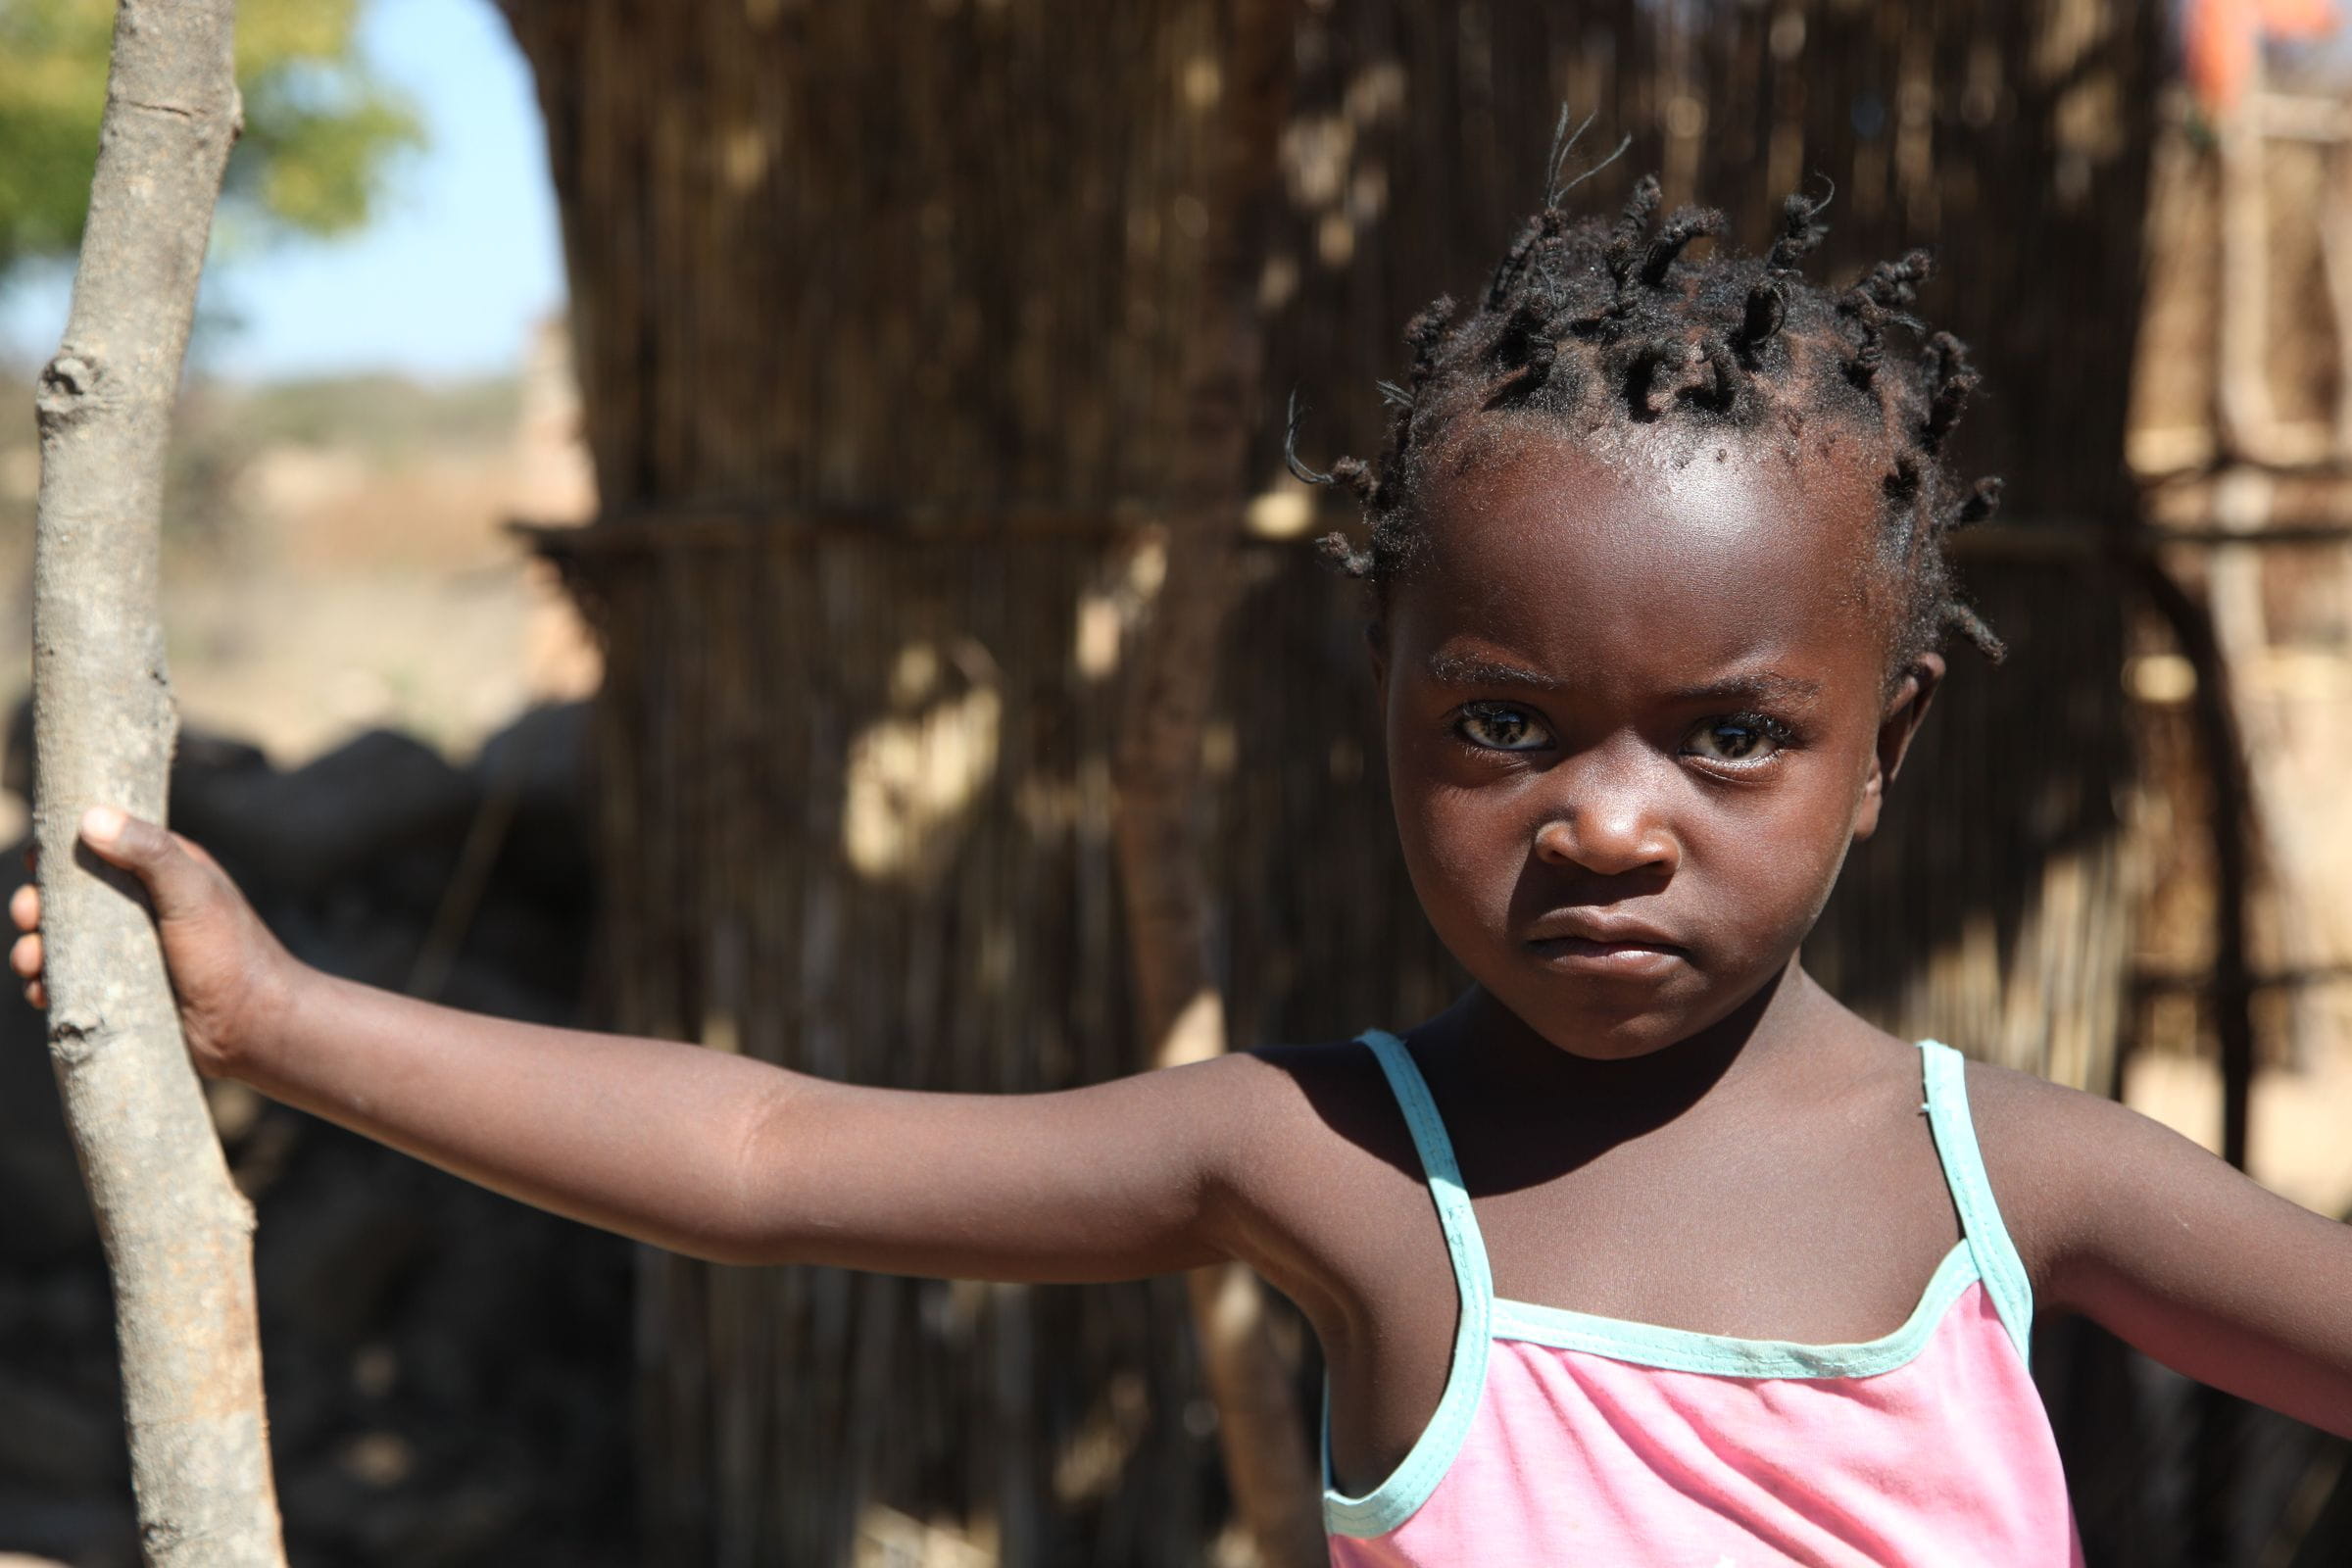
[1693, 485]
[1675, 548]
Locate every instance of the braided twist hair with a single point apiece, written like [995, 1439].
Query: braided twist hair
[1602, 326]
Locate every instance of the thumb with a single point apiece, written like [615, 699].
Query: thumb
[174, 881]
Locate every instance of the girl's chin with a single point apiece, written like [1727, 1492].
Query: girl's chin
[1612, 1027]
[1612, 1008]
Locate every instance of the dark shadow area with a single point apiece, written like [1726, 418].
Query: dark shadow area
[448, 1371]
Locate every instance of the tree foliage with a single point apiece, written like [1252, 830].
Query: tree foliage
[318, 125]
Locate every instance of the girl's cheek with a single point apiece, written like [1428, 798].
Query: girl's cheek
[1466, 856]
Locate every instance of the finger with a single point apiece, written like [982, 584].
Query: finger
[198, 852]
[26, 957]
[25, 908]
[176, 882]
[32, 855]
[38, 994]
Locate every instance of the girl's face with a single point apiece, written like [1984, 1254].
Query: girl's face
[1637, 710]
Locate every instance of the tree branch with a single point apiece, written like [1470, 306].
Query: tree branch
[178, 1236]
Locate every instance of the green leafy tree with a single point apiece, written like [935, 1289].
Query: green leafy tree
[319, 126]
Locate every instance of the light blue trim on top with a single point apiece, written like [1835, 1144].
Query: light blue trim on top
[1719, 1355]
[1395, 1499]
[1998, 1262]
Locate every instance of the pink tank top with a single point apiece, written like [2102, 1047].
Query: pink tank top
[1572, 1440]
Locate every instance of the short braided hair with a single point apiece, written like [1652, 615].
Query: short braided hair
[1605, 326]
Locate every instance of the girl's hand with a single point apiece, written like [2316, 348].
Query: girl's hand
[229, 974]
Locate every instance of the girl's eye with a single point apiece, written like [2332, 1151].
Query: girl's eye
[1736, 738]
[1501, 727]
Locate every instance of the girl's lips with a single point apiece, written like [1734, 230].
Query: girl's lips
[1630, 959]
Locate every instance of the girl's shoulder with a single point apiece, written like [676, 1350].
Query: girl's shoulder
[2045, 1151]
[1325, 1102]
[2120, 1218]
[1326, 1170]
[2083, 1181]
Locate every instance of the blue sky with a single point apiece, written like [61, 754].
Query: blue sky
[461, 260]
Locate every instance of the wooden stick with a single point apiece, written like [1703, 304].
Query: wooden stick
[1180, 1006]
[178, 1234]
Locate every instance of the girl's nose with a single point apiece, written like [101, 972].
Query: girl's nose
[1611, 835]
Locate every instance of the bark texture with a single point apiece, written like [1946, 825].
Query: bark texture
[178, 1234]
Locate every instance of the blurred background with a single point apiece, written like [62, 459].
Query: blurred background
[764, 525]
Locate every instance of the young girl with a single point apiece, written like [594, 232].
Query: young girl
[1645, 1250]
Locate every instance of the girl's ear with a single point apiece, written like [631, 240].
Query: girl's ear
[1897, 727]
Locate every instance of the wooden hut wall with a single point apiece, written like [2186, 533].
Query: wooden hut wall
[878, 311]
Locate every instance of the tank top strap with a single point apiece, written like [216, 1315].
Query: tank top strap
[1998, 1262]
[1443, 1174]
[1396, 1498]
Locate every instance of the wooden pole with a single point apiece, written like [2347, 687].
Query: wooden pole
[2220, 1417]
[178, 1234]
[1181, 1008]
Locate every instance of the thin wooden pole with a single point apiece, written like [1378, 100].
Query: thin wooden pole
[2220, 1417]
[178, 1233]
[1180, 1005]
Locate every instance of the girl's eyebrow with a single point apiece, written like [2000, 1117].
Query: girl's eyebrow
[1470, 669]
[1760, 686]
[1763, 686]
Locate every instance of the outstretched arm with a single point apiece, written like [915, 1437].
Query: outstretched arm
[2171, 1250]
[696, 1149]
[739, 1161]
